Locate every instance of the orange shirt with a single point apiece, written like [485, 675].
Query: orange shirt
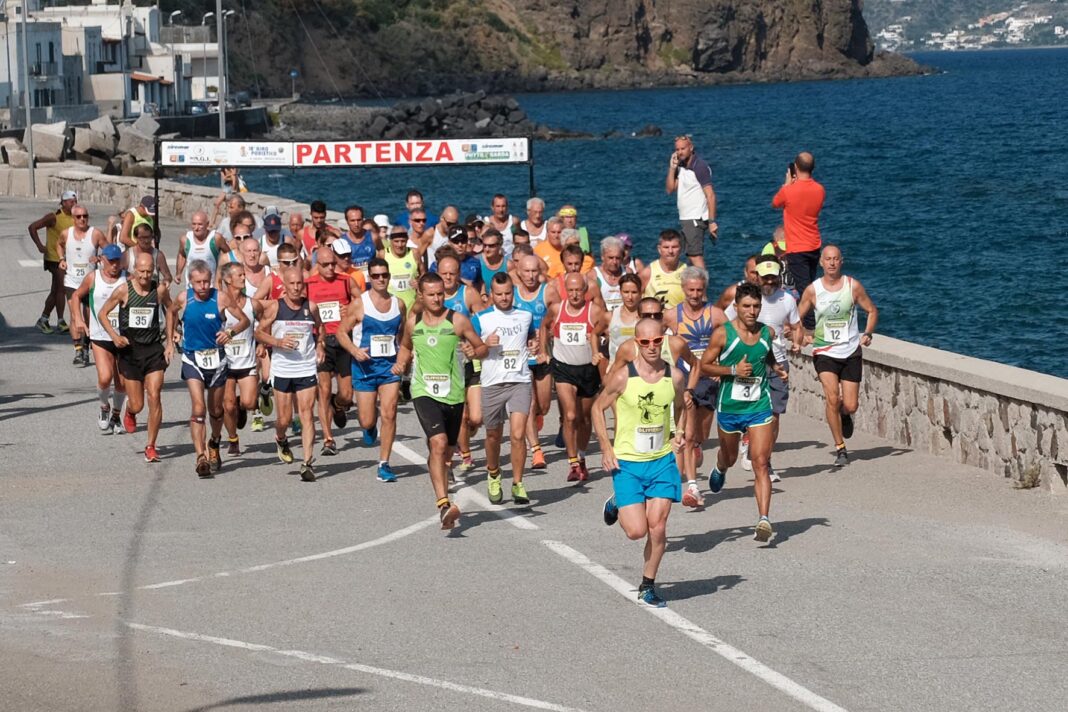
[551, 256]
[801, 202]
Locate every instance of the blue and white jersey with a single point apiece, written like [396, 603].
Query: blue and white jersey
[378, 331]
[458, 301]
[200, 327]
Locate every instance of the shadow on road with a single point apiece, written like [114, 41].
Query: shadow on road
[681, 590]
[705, 542]
[797, 445]
[286, 696]
[25, 410]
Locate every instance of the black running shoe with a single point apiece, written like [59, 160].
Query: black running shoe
[341, 418]
[85, 356]
[847, 425]
[405, 391]
[841, 457]
[306, 472]
[78, 360]
[329, 448]
[242, 418]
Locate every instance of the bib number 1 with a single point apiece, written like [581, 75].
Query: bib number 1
[648, 438]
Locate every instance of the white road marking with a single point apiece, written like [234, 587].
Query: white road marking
[356, 667]
[512, 516]
[29, 263]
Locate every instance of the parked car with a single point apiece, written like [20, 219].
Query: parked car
[202, 107]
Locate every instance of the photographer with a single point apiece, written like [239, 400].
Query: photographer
[801, 198]
[691, 176]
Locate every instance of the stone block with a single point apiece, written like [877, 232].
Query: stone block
[48, 146]
[135, 143]
[146, 125]
[104, 125]
[17, 158]
[141, 169]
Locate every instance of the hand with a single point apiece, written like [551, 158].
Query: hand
[289, 342]
[789, 178]
[687, 399]
[222, 338]
[713, 229]
[468, 349]
[678, 442]
[168, 353]
[674, 160]
[795, 347]
[743, 368]
[122, 342]
[532, 347]
[865, 340]
[494, 339]
[608, 460]
[177, 338]
[361, 355]
[261, 351]
[783, 373]
[63, 265]
[597, 357]
[320, 352]
[807, 339]
[397, 370]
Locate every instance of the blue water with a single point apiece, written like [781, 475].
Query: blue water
[947, 193]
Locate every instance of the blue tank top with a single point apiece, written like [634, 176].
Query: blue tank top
[376, 323]
[362, 252]
[488, 272]
[458, 301]
[536, 306]
[471, 269]
[201, 322]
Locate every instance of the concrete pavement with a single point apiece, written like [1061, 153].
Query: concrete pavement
[902, 582]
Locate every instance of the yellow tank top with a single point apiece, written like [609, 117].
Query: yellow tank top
[139, 219]
[55, 233]
[403, 272]
[665, 286]
[644, 417]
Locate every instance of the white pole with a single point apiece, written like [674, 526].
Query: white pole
[220, 24]
[26, 96]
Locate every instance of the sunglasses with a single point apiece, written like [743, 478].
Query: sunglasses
[418, 219]
[654, 315]
[491, 244]
[655, 341]
[289, 262]
[323, 263]
[82, 216]
[379, 275]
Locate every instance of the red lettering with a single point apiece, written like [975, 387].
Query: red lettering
[444, 152]
[341, 153]
[303, 151]
[403, 152]
[322, 154]
[424, 150]
[362, 149]
[382, 153]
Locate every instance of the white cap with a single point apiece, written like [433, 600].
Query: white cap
[382, 220]
[69, 195]
[341, 247]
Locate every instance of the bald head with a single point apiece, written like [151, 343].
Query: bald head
[649, 328]
[450, 215]
[805, 163]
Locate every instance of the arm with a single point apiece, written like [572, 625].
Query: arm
[672, 180]
[172, 323]
[643, 275]
[710, 198]
[710, 360]
[473, 345]
[124, 231]
[349, 319]
[614, 385]
[44, 223]
[861, 299]
[77, 324]
[227, 305]
[264, 324]
[727, 297]
[808, 302]
[404, 355]
[164, 269]
[179, 265]
[61, 249]
[117, 297]
[681, 409]
[624, 355]
[779, 201]
[99, 242]
[545, 331]
[320, 333]
[598, 322]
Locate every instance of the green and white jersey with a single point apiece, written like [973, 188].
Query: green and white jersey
[100, 292]
[837, 334]
[195, 250]
[749, 394]
[437, 372]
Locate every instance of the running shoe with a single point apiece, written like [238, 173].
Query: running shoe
[150, 454]
[716, 479]
[457, 477]
[329, 448]
[105, 418]
[115, 424]
[584, 474]
[341, 418]
[743, 454]
[284, 453]
[214, 456]
[537, 460]
[62, 327]
[449, 515]
[85, 356]
[648, 597]
[295, 426]
[574, 473]
[467, 465]
[692, 496]
[266, 404]
[610, 512]
[847, 425]
[559, 442]
[773, 474]
[242, 418]
[493, 489]
[385, 473]
[44, 327]
[257, 422]
[763, 529]
[234, 448]
[129, 421]
[370, 435]
[78, 361]
[841, 457]
[306, 472]
[519, 493]
[203, 468]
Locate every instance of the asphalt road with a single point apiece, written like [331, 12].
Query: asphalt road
[903, 582]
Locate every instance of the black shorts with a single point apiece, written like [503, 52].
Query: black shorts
[138, 360]
[586, 378]
[50, 266]
[108, 346]
[705, 393]
[472, 377]
[539, 371]
[337, 359]
[847, 369]
[292, 385]
[237, 375]
[437, 417]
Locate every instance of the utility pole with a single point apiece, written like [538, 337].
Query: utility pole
[26, 96]
[220, 24]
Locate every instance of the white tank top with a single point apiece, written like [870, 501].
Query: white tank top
[250, 288]
[507, 239]
[535, 237]
[131, 259]
[618, 332]
[612, 295]
[837, 333]
[99, 294]
[301, 361]
[270, 250]
[78, 252]
[200, 251]
[241, 350]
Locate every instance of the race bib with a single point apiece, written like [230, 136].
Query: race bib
[613, 301]
[626, 332]
[79, 270]
[400, 284]
[437, 384]
[207, 359]
[648, 438]
[511, 361]
[113, 319]
[141, 317]
[573, 334]
[383, 345]
[746, 389]
[330, 312]
[836, 332]
[698, 353]
[299, 336]
[237, 348]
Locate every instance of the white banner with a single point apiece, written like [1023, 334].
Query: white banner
[410, 152]
[180, 154]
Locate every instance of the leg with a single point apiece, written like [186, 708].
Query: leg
[326, 408]
[306, 407]
[388, 395]
[198, 409]
[728, 450]
[656, 514]
[283, 413]
[493, 448]
[539, 407]
[760, 442]
[832, 404]
[517, 428]
[585, 424]
[230, 407]
[850, 396]
[367, 408]
[246, 389]
[344, 390]
[105, 368]
[215, 410]
[439, 475]
[633, 520]
[567, 395]
[154, 385]
[135, 396]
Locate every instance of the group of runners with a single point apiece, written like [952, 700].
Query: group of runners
[476, 323]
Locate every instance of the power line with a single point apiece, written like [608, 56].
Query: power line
[311, 40]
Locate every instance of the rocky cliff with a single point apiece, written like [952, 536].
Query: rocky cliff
[407, 47]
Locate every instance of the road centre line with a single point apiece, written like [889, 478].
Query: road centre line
[355, 667]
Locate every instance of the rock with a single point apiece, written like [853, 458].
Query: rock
[498, 120]
[650, 130]
[429, 106]
[9, 144]
[516, 116]
[377, 127]
[135, 143]
[48, 145]
[395, 131]
[122, 163]
[17, 158]
[511, 104]
[146, 125]
[482, 123]
[141, 169]
[614, 133]
[104, 125]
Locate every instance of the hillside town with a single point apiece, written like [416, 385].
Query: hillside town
[1028, 24]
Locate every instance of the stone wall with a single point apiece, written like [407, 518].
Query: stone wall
[1005, 420]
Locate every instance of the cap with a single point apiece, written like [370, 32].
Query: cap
[69, 195]
[568, 213]
[341, 247]
[398, 231]
[770, 267]
[625, 239]
[149, 204]
[112, 252]
[457, 233]
[381, 220]
[474, 219]
[272, 223]
[271, 210]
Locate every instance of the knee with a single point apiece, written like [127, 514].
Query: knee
[571, 416]
[636, 532]
[849, 406]
[153, 399]
[249, 403]
[517, 439]
[834, 400]
[760, 464]
[387, 416]
[438, 446]
[658, 530]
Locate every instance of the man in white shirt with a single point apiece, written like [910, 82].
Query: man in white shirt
[691, 176]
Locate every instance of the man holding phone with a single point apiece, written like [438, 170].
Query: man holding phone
[691, 176]
[801, 199]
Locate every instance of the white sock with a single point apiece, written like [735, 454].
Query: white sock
[117, 399]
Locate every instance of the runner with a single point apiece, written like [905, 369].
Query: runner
[142, 359]
[661, 277]
[631, 264]
[778, 309]
[145, 244]
[95, 289]
[404, 267]
[272, 240]
[575, 326]
[203, 310]
[504, 223]
[740, 355]
[569, 215]
[432, 338]
[548, 250]
[292, 329]
[199, 244]
[619, 324]
[55, 224]
[436, 237]
[837, 343]
[493, 260]
[377, 316]
[330, 294]
[241, 379]
[573, 261]
[530, 297]
[361, 242]
[343, 250]
[144, 213]
[645, 479]
[509, 334]
[749, 274]
[77, 249]
[534, 223]
[606, 277]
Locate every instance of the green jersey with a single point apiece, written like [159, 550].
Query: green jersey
[748, 394]
[644, 417]
[437, 372]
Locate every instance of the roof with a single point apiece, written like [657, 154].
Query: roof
[142, 77]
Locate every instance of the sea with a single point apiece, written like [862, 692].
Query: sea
[947, 193]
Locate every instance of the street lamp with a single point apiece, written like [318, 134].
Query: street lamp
[204, 52]
[174, 72]
[220, 19]
[173, 15]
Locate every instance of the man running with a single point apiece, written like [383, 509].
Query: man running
[55, 224]
[404, 267]
[362, 243]
[749, 274]
[574, 326]
[77, 249]
[272, 240]
[144, 213]
[291, 327]
[199, 244]
[94, 290]
[530, 297]
[377, 316]
[548, 250]
[145, 244]
[241, 379]
[505, 385]
[606, 277]
[740, 355]
[837, 343]
[534, 223]
[203, 311]
[142, 358]
[432, 338]
[645, 479]
[662, 276]
[493, 260]
[503, 222]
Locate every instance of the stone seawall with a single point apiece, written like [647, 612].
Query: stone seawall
[1005, 420]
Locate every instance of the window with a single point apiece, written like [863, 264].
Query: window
[51, 52]
[134, 93]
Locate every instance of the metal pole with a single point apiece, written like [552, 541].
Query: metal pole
[530, 164]
[156, 168]
[26, 96]
[220, 24]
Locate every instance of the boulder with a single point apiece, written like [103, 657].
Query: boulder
[103, 125]
[135, 143]
[516, 116]
[9, 144]
[650, 130]
[82, 140]
[141, 169]
[17, 158]
[482, 123]
[146, 125]
[377, 127]
[395, 131]
[48, 145]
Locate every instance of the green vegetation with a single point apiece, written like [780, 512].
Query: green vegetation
[672, 56]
